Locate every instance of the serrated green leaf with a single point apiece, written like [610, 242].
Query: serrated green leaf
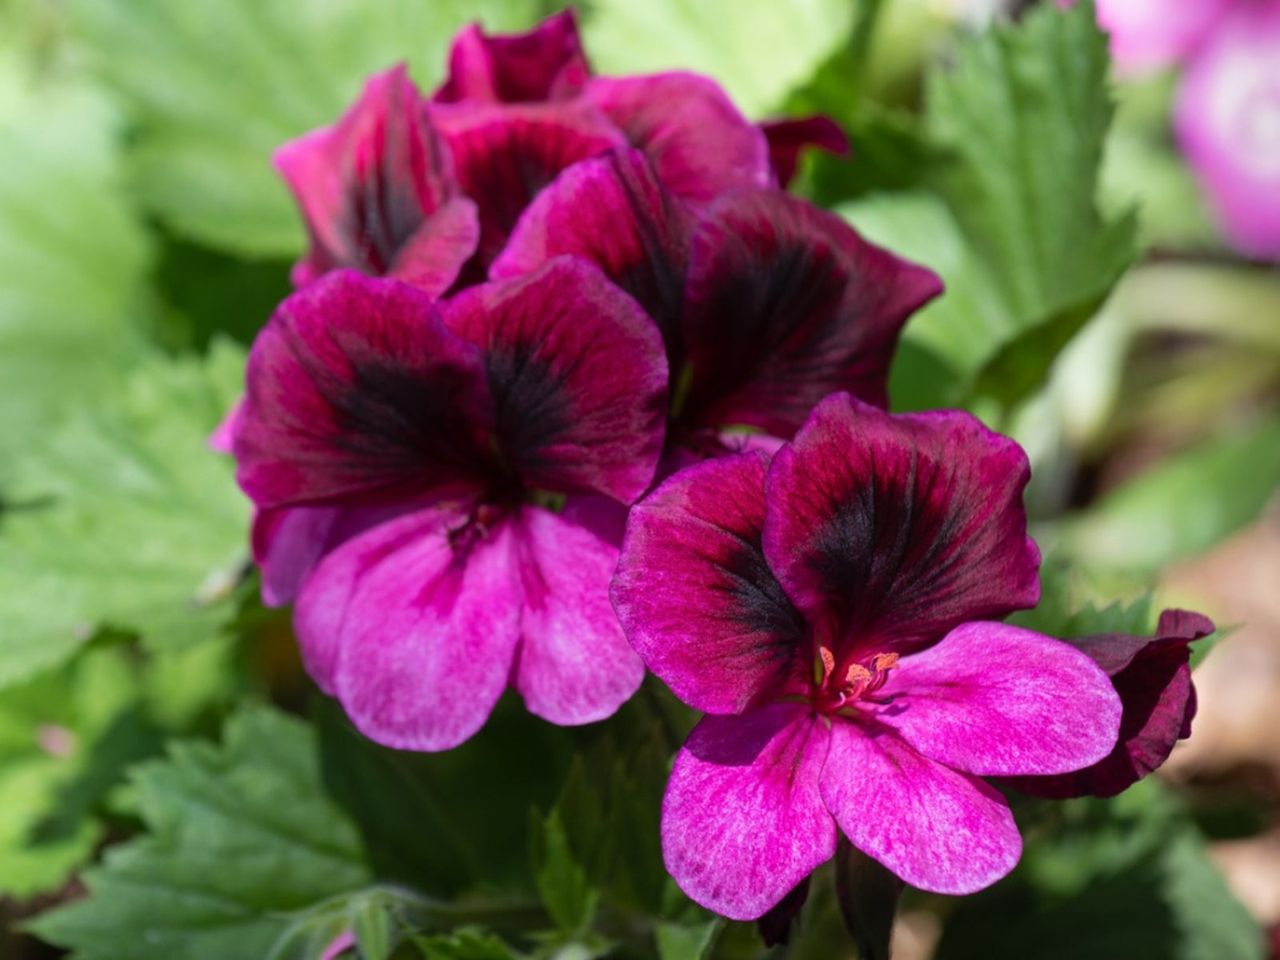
[1183, 505]
[464, 945]
[240, 837]
[760, 52]
[123, 517]
[216, 86]
[562, 880]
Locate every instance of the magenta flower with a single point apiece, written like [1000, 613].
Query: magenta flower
[789, 137]
[378, 194]
[832, 612]
[464, 468]
[1149, 34]
[766, 303]
[1228, 123]
[1152, 675]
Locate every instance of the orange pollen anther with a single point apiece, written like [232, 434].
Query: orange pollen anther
[884, 662]
[856, 674]
[828, 661]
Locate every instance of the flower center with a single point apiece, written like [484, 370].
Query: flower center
[858, 681]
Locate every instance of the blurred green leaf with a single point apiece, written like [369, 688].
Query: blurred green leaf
[123, 517]
[216, 86]
[759, 52]
[562, 880]
[679, 941]
[464, 945]
[1183, 505]
[72, 254]
[240, 837]
[1017, 126]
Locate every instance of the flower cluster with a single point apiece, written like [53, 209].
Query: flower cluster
[1228, 107]
[539, 297]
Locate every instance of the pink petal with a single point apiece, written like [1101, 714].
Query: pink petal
[371, 182]
[613, 212]
[890, 530]
[1152, 676]
[698, 142]
[936, 828]
[574, 665]
[356, 389]
[1227, 118]
[578, 374]
[1149, 34]
[544, 63]
[789, 137]
[996, 700]
[504, 155]
[414, 627]
[743, 821]
[429, 259]
[694, 594]
[223, 438]
[785, 304]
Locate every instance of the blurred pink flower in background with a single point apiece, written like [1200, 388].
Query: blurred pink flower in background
[1227, 115]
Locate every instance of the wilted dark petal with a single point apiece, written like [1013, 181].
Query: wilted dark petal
[613, 212]
[578, 376]
[889, 530]
[413, 628]
[789, 137]
[544, 63]
[574, 665]
[742, 820]
[1152, 675]
[504, 155]
[698, 142]
[785, 304]
[695, 596]
[356, 390]
[371, 182]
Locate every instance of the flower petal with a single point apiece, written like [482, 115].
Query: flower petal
[698, 142]
[785, 304]
[356, 388]
[574, 665]
[578, 374]
[368, 184]
[936, 828]
[544, 63]
[505, 155]
[415, 630]
[613, 212]
[788, 137]
[742, 820]
[996, 700]
[432, 257]
[694, 593]
[1152, 676]
[889, 530]
[1227, 118]
[1151, 34]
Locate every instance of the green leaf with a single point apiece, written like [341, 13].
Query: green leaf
[1019, 123]
[562, 880]
[240, 837]
[1182, 506]
[72, 254]
[464, 945]
[123, 517]
[216, 86]
[760, 52]
[680, 941]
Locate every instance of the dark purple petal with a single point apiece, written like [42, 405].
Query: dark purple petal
[694, 593]
[613, 212]
[742, 820]
[504, 156]
[785, 304]
[936, 828]
[433, 256]
[356, 389]
[992, 699]
[578, 375]
[545, 63]
[789, 137]
[414, 628]
[698, 142]
[574, 665]
[372, 183]
[1152, 676]
[889, 530]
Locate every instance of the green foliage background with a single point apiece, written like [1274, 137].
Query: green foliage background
[170, 783]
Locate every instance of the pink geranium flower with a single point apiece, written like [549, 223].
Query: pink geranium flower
[480, 454]
[834, 613]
